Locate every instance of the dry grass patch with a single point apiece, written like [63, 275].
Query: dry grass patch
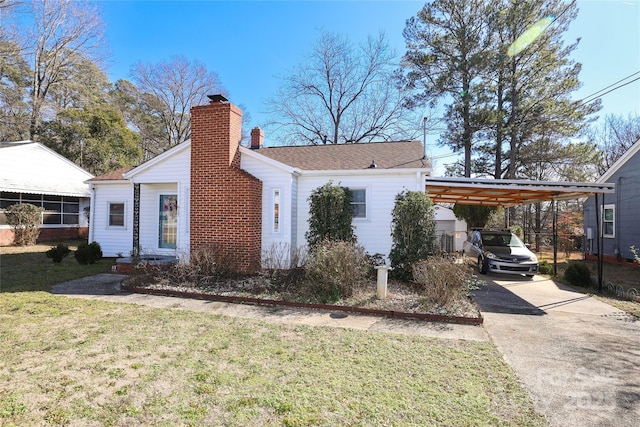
[77, 362]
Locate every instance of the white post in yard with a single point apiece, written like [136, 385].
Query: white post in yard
[383, 273]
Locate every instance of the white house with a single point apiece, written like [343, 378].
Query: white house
[212, 191]
[33, 173]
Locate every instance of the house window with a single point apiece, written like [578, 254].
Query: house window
[57, 209]
[168, 223]
[359, 202]
[608, 221]
[276, 211]
[116, 214]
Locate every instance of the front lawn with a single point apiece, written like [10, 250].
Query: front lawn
[71, 361]
[28, 269]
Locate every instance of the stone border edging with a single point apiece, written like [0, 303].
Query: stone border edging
[259, 301]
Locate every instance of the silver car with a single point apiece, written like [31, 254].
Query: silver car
[500, 252]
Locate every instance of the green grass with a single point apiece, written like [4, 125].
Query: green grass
[28, 269]
[83, 362]
[66, 361]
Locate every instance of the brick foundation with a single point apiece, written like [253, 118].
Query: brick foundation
[613, 260]
[48, 234]
[226, 201]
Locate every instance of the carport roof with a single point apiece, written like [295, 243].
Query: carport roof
[506, 193]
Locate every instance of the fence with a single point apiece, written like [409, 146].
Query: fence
[445, 242]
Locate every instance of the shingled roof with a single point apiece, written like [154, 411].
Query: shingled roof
[385, 155]
[116, 175]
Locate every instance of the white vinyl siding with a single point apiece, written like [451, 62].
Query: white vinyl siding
[113, 240]
[273, 179]
[374, 232]
[170, 176]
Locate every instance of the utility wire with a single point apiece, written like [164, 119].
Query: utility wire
[586, 99]
[612, 84]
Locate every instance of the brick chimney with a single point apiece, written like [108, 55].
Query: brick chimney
[226, 201]
[257, 137]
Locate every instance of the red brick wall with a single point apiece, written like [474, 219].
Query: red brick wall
[48, 234]
[226, 201]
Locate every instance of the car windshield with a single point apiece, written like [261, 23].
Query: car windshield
[504, 240]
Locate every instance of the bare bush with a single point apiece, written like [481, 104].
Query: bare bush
[283, 256]
[25, 219]
[335, 269]
[442, 280]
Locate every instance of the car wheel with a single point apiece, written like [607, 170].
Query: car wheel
[483, 266]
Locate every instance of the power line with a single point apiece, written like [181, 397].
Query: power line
[586, 99]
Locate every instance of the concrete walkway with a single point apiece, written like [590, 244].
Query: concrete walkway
[106, 287]
[579, 358]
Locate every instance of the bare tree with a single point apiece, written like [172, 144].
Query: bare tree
[64, 32]
[341, 93]
[614, 137]
[6, 35]
[169, 90]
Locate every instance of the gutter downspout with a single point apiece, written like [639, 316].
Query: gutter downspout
[617, 217]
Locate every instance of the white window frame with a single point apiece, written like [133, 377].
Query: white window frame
[366, 203]
[276, 217]
[124, 215]
[612, 221]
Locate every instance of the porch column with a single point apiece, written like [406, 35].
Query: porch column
[554, 209]
[136, 220]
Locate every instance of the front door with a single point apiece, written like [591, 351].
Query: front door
[168, 226]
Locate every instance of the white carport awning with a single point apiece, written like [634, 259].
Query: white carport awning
[507, 193]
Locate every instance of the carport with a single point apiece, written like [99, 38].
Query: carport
[509, 193]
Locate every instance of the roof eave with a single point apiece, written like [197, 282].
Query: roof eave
[367, 171]
[620, 162]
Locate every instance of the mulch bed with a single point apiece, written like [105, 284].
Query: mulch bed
[402, 299]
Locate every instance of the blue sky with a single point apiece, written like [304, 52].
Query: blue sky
[249, 43]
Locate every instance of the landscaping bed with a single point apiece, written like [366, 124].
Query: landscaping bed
[403, 300]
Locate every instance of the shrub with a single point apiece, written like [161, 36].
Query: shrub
[545, 268]
[330, 215]
[335, 269]
[202, 269]
[634, 251]
[475, 216]
[441, 280]
[57, 253]
[88, 253]
[578, 274]
[25, 219]
[283, 256]
[413, 231]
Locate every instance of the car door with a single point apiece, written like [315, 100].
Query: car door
[471, 248]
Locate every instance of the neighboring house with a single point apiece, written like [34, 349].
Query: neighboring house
[246, 201]
[619, 216]
[33, 173]
[451, 231]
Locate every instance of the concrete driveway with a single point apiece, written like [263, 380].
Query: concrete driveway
[579, 358]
